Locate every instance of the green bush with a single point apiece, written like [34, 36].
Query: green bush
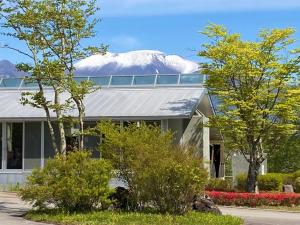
[215, 184]
[241, 182]
[287, 178]
[158, 174]
[270, 182]
[296, 174]
[74, 182]
[297, 185]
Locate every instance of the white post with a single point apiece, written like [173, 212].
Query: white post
[206, 142]
[164, 125]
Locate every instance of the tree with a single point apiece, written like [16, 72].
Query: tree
[53, 32]
[289, 150]
[257, 106]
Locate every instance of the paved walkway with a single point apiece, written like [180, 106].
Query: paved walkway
[263, 217]
[12, 209]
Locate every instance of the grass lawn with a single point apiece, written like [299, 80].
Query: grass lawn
[130, 218]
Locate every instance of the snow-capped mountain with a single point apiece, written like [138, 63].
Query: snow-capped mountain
[7, 69]
[134, 62]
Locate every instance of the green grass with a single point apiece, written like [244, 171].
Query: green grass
[130, 218]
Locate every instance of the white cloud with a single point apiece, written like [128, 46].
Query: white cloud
[163, 7]
[125, 42]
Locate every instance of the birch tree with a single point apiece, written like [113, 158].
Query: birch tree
[53, 32]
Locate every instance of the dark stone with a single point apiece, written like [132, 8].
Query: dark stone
[120, 198]
[205, 204]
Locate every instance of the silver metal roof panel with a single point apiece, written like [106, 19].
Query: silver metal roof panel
[114, 103]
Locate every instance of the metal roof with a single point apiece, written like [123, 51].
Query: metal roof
[115, 103]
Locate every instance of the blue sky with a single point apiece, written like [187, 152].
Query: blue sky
[172, 26]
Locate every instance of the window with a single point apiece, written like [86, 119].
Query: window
[14, 145]
[1, 146]
[32, 152]
[121, 80]
[167, 79]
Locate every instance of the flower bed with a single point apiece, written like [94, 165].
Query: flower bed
[253, 200]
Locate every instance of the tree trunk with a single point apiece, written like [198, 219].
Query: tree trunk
[81, 110]
[52, 135]
[62, 146]
[51, 130]
[81, 136]
[252, 175]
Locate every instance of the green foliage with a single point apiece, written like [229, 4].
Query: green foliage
[157, 172]
[53, 33]
[296, 174]
[241, 182]
[270, 182]
[289, 150]
[132, 218]
[215, 184]
[257, 106]
[297, 185]
[287, 178]
[74, 182]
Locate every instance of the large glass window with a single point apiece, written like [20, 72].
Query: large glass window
[32, 158]
[49, 151]
[121, 80]
[14, 145]
[167, 79]
[91, 142]
[1, 146]
[102, 81]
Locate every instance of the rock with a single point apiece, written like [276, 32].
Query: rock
[205, 204]
[120, 198]
[288, 189]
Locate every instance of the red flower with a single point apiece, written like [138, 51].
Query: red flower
[252, 200]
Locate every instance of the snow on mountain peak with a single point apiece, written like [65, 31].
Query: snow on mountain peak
[134, 62]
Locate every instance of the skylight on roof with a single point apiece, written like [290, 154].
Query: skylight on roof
[117, 81]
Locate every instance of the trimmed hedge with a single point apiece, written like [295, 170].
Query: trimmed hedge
[267, 182]
[215, 184]
[253, 200]
[241, 182]
[297, 185]
[270, 182]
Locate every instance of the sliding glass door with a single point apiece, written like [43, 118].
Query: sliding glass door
[14, 134]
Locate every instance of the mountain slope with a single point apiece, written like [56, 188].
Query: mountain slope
[134, 62]
[7, 69]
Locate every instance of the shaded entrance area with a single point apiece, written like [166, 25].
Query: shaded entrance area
[215, 160]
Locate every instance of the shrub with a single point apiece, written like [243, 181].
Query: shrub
[296, 174]
[252, 200]
[74, 182]
[288, 178]
[297, 185]
[270, 182]
[157, 173]
[241, 182]
[215, 184]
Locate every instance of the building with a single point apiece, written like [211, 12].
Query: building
[176, 102]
